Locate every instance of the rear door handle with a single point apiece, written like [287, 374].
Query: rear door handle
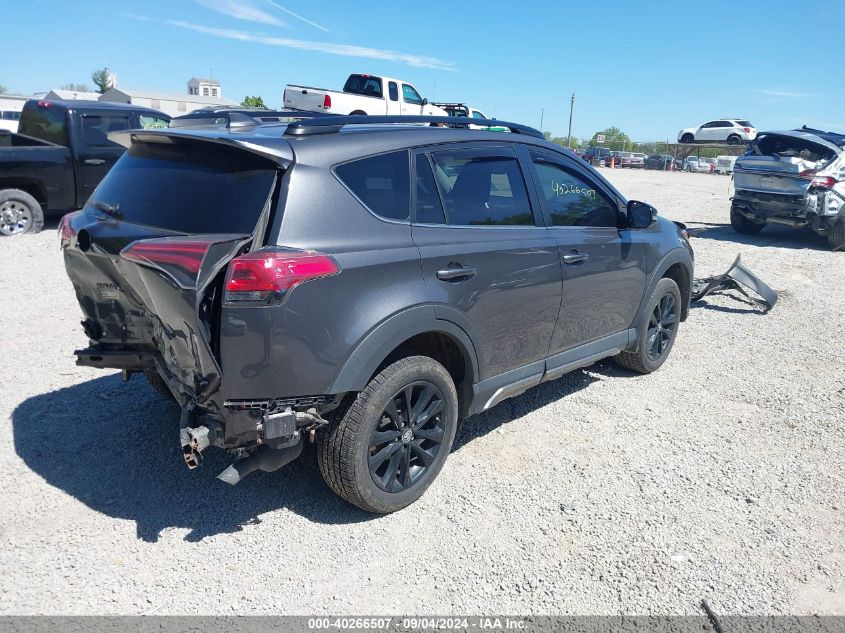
[575, 258]
[94, 161]
[456, 273]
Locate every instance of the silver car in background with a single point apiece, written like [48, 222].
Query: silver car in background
[794, 178]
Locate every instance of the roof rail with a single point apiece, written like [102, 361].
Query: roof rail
[332, 124]
[232, 117]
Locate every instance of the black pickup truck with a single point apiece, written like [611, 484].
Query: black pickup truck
[59, 155]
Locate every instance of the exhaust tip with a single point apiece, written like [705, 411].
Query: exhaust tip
[231, 475]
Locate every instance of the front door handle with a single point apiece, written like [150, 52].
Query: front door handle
[575, 257]
[456, 273]
[94, 161]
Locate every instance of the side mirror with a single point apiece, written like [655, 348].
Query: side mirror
[425, 101]
[640, 214]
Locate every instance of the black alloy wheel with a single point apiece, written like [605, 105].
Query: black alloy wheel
[661, 326]
[407, 439]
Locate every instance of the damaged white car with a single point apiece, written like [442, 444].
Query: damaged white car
[795, 178]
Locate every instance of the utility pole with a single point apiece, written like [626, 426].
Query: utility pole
[571, 107]
[542, 110]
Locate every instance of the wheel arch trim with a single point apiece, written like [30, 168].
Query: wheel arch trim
[371, 350]
[676, 256]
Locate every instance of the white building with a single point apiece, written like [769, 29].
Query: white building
[72, 95]
[172, 103]
[200, 87]
[10, 111]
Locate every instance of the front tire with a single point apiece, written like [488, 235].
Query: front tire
[19, 213]
[743, 225]
[687, 138]
[657, 330]
[391, 442]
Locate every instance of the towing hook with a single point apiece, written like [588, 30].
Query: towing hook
[194, 441]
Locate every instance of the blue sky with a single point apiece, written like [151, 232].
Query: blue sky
[649, 68]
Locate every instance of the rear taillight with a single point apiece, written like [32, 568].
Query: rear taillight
[826, 182]
[181, 258]
[66, 232]
[747, 130]
[45, 104]
[327, 102]
[268, 274]
[183, 254]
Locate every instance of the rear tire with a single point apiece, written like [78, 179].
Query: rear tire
[383, 453]
[658, 329]
[733, 139]
[158, 383]
[836, 235]
[358, 113]
[19, 213]
[743, 225]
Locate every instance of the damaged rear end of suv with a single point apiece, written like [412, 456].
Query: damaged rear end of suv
[168, 258]
[793, 178]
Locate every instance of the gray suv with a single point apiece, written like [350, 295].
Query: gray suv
[364, 283]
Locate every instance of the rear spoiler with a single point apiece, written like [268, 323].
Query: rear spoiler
[275, 148]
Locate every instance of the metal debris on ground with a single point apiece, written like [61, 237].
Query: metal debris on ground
[737, 278]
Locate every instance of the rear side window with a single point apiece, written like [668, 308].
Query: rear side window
[483, 188]
[188, 187]
[744, 123]
[381, 182]
[393, 90]
[46, 123]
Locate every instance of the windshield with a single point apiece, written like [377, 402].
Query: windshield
[186, 187]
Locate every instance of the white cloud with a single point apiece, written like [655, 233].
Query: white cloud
[344, 50]
[783, 93]
[242, 10]
[298, 17]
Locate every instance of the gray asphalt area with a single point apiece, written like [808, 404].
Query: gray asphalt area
[719, 477]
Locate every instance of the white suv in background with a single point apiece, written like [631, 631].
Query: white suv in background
[730, 131]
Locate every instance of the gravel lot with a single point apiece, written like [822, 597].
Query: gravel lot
[719, 477]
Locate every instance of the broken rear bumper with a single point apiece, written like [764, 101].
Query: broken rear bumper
[817, 209]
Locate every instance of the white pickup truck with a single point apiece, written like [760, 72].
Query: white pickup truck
[362, 94]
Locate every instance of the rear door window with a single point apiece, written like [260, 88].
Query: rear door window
[393, 91]
[381, 183]
[482, 188]
[188, 187]
[428, 208]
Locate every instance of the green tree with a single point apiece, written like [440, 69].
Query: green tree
[102, 79]
[561, 140]
[614, 138]
[76, 87]
[253, 102]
